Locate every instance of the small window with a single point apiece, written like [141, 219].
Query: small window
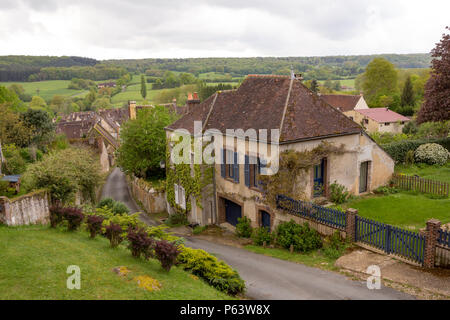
[386, 123]
[180, 196]
[366, 121]
[351, 118]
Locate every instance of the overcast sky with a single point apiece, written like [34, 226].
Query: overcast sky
[105, 29]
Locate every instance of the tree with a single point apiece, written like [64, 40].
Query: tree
[143, 87]
[314, 86]
[12, 128]
[337, 85]
[41, 125]
[38, 103]
[408, 94]
[380, 79]
[143, 144]
[437, 90]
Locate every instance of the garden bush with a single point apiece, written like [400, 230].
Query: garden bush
[385, 190]
[302, 238]
[398, 150]
[261, 235]
[106, 202]
[244, 227]
[334, 246]
[94, 224]
[431, 153]
[167, 253]
[177, 219]
[116, 207]
[139, 243]
[74, 217]
[114, 234]
[56, 215]
[338, 193]
[409, 157]
[216, 272]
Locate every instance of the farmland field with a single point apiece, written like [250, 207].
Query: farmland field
[347, 82]
[48, 89]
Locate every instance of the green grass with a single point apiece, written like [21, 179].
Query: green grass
[312, 259]
[438, 173]
[347, 82]
[405, 209]
[34, 260]
[48, 89]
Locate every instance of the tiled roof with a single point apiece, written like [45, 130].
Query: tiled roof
[260, 103]
[383, 115]
[342, 101]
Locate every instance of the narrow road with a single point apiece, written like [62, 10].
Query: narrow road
[116, 187]
[266, 277]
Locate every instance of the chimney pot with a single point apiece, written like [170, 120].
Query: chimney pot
[189, 96]
[195, 96]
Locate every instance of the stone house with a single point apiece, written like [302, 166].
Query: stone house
[304, 121]
[380, 120]
[347, 104]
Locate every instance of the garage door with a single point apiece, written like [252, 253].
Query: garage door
[233, 211]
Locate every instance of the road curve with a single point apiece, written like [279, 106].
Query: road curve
[266, 277]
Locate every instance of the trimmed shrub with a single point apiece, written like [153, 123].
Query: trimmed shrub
[260, 235]
[303, 238]
[338, 193]
[167, 253]
[244, 227]
[116, 207]
[56, 215]
[74, 217]
[94, 225]
[431, 153]
[409, 157]
[177, 219]
[398, 150]
[216, 272]
[106, 202]
[114, 234]
[139, 243]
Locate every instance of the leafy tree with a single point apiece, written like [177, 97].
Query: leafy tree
[41, 125]
[408, 94]
[143, 144]
[337, 85]
[143, 87]
[380, 79]
[11, 99]
[12, 128]
[38, 103]
[437, 90]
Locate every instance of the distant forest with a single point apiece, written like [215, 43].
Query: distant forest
[37, 68]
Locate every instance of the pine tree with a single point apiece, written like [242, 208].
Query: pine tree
[143, 87]
[314, 86]
[408, 94]
[437, 90]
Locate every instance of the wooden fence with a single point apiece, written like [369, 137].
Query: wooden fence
[420, 184]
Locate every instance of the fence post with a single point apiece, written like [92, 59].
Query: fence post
[431, 235]
[350, 224]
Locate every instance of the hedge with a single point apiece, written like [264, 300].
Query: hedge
[216, 272]
[398, 150]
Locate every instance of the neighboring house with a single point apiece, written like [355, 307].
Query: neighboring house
[106, 85]
[347, 104]
[133, 108]
[380, 120]
[14, 181]
[305, 121]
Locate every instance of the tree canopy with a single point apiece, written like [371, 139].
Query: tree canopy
[380, 79]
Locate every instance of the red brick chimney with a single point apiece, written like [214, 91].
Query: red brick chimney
[192, 101]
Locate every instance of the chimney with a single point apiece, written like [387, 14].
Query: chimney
[298, 76]
[192, 101]
[132, 109]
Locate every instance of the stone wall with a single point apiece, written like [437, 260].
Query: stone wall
[152, 200]
[32, 208]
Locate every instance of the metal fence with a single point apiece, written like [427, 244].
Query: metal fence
[444, 238]
[328, 216]
[420, 184]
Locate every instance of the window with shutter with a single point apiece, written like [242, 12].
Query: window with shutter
[223, 166]
[247, 171]
[236, 168]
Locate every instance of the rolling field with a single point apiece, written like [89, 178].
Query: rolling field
[48, 89]
[347, 82]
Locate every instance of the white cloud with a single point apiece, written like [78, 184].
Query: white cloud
[173, 28]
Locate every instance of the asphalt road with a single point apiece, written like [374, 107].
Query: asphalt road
[266, 277]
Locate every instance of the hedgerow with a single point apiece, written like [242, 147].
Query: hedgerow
[398, 150]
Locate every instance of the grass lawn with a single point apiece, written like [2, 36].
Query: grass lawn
[312, 259]
[405, 209]
[438, 173]
[34, 260]
[48, 89]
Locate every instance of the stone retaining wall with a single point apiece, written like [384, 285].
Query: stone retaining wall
[152, 200]
[31, 208]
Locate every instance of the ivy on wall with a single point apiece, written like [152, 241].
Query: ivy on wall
[193, 179]
[293, 164]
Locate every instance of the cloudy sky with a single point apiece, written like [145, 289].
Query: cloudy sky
[106, 29]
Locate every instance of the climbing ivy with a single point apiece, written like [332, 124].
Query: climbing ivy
[192, 182]
[292, 164]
